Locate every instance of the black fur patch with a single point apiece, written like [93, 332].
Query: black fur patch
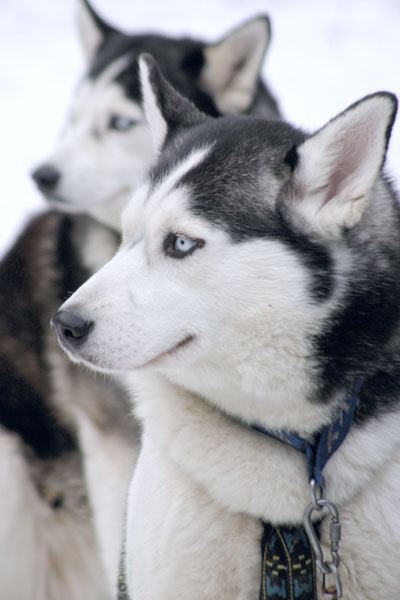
[193, 62]
[357, 338]
[68, 265]
[28, 296]
[292, 158]
[361, 336]
[180, 61]
[24, 411]
[315, 256]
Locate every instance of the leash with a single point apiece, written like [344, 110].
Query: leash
[122, 586]
[290, 554]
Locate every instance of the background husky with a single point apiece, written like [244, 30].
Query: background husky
[60, 427]
[48, 546]
[268, 271]
[105, 146]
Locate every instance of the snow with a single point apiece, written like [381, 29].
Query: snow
[324, 55]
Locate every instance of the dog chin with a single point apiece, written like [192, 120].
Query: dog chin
[121, 195]
[77, 358]
[71, 352]
[65, 206]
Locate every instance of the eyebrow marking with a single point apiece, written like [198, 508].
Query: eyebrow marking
[173, 177]
[113, 70]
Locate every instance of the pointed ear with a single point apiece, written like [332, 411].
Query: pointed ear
[91, 28]
[335, 169]
[165, 109]
[233, 65]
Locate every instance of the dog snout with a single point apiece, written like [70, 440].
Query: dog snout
[46, 176]
[71, 328]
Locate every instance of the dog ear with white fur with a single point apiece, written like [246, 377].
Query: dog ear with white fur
[335, 169]
[165, 109]
[92, 29]
[233, 65]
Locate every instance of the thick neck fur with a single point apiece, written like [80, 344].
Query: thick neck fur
[255, 393]
[242, 468]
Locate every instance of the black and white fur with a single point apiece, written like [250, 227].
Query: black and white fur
[259, 274]
[68, 441]
[105, 147]
[49, 548]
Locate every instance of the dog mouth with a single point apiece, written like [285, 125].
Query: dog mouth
[62, 205]
[172, 351]
[78, 355]
[57, 201]
[187, 340]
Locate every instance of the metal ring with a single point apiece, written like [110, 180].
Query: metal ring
[317, 493]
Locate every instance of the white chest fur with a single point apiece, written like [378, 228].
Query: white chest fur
[204, 482]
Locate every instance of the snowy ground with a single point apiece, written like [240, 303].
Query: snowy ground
[325, 54]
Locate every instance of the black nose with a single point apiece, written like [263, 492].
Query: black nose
[47, 176]
[70, 327]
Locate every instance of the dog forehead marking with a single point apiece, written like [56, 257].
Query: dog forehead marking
[161, 188]
[112, 71]
[104, 92]
[150, 194]
[93, 106]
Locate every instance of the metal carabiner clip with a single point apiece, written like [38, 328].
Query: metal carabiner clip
[319, 502]
[335, 590]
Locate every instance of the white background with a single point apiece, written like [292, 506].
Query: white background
[324, 55]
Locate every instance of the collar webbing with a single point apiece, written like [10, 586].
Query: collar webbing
[284, 547]
[327, 441]
[288, 565]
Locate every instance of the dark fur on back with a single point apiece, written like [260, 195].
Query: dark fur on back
[41, 270]
[30, 280]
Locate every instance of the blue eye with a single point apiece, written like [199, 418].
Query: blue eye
[183, 244]
[120, 123]
[179, 246]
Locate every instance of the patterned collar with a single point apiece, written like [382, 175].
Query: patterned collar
[327, 441]
[290, 553]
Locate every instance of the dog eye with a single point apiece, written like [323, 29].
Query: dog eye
[120, 123]
[178, 246]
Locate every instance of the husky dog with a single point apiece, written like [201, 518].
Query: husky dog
[106, 147]
[48, 546]
[258, 278]
[61, 429]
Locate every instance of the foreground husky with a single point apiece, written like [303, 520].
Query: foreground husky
[257, 281]
[62, 430]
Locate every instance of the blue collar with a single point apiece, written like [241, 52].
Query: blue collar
[327, 441]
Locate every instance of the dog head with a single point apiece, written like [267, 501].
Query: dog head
[243, 255]
[105, 146]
